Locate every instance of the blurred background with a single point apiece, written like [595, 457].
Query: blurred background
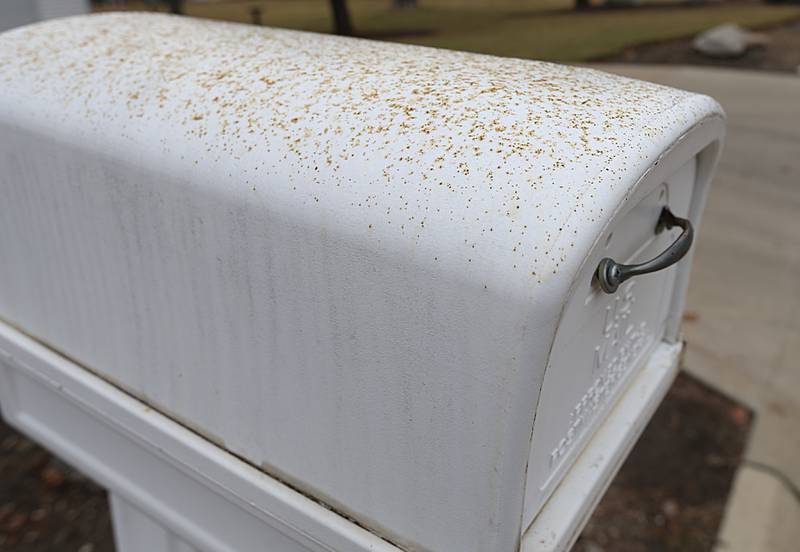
[717, 468]
[554, 30]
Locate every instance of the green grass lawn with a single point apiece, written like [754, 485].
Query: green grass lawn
[564, 36]
[538, 29]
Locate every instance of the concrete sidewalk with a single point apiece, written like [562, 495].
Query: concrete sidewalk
[743, 311]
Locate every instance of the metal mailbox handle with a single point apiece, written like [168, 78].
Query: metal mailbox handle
[611, 274]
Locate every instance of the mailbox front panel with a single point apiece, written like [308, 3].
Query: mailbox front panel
[603, 339]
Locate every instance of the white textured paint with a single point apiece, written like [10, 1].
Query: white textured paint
[344, 261]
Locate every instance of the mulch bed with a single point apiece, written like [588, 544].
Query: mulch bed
[669, 495]
[781, 54]
[45, 506]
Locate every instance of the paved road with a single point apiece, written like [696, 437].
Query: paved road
[743, 321]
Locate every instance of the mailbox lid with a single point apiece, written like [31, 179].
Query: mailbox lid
[343, 261]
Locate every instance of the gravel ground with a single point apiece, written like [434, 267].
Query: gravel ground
[669, 496]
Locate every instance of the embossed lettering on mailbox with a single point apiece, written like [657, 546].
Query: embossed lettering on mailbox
[621, 343]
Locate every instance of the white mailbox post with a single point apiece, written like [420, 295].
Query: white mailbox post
[285, 291]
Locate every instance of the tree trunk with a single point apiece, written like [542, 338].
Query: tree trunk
[341, 18]
[400, 4]
[175, 6]
[582, 4]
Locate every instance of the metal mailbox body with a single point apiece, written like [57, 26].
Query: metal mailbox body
[362, 269]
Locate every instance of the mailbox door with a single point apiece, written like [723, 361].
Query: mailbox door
[603, 339]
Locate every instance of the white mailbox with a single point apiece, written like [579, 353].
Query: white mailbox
[285, 291]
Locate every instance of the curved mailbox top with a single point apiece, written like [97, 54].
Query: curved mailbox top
[473, 163]
[344, 260]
